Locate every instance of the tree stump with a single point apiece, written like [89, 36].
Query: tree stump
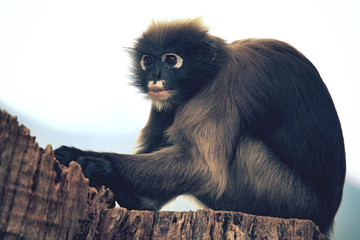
[41, 199]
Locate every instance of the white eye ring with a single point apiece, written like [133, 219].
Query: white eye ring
[176, 64]
[144, 64]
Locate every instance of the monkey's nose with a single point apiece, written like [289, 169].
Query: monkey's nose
[158, 83]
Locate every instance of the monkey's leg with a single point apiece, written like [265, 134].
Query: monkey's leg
[272, 187]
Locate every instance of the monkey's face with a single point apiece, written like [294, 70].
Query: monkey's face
[173, 62]
[160, 70]
[172, 76]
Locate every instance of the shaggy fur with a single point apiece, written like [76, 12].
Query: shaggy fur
[249, 126]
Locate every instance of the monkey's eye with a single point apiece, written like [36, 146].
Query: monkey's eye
[172, 60]
[146, 62]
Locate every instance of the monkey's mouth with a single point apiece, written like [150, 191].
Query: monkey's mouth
[159, 94]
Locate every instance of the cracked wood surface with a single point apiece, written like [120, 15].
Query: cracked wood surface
[41, 199]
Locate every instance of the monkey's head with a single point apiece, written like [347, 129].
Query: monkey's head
[172, 61]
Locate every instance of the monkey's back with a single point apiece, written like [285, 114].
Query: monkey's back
[297, 118]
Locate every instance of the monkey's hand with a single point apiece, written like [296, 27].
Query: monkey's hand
[95, 166]
[66, 154]
[100, 170]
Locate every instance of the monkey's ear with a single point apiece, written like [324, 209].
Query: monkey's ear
[213, 49]
[208, 50]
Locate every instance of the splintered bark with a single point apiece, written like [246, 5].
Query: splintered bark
[41, 199]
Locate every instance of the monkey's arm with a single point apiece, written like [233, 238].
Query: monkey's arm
[196, 162]
[142, 181]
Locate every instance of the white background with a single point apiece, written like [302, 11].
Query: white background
[63, 64]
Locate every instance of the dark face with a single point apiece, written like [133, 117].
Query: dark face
[161, 74]
[171, 64]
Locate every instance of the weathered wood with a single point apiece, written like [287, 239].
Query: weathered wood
[41, 199]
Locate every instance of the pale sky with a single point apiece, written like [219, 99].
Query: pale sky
[64, 63]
